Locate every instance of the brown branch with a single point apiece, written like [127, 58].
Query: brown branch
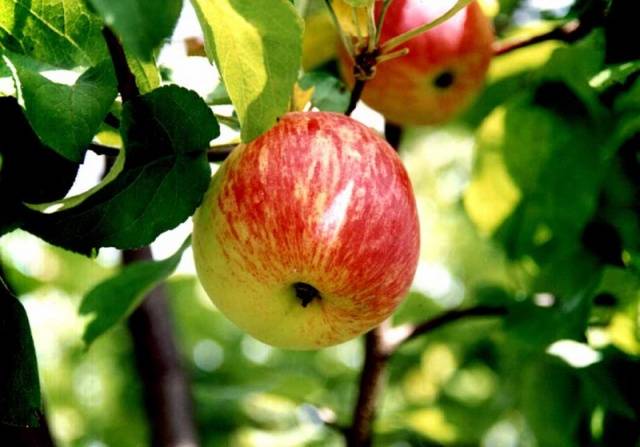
[568, 32]
[166, 389]
[358, 87]
[215, 154]
[112, 121]
[403, 334]
[380, 344]
[126, 80]
[371, 383]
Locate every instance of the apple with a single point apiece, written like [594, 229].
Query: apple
[308, 236]
[444, 70]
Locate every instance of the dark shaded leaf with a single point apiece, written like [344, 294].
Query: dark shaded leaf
[19, 383]
[165, 175]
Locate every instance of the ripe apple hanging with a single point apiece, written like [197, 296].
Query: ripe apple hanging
[308, 235]
[444, 70]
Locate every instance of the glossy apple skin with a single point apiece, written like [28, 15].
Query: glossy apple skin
[319, 199]
[405, 90]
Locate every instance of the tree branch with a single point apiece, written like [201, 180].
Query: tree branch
[215, 154]
[568, 32]
[356, 93]
[166, 390]
[405, 333]
[371, 383]
[126, 80]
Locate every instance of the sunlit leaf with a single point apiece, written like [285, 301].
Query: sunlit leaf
[257, 47]
[61, 33]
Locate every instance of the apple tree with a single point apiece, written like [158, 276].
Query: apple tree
[472, 280]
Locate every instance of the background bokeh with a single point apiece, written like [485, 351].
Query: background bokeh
[486, 382]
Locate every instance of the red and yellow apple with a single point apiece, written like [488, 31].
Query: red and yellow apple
[444, 70]
[308, 235]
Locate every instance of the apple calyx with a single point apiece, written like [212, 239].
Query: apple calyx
[306, 293]
[444, 79]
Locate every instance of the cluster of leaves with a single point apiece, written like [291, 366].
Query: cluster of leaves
[555, 184]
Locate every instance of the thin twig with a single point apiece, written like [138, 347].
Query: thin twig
[414, 32]
[355, 96]
[403, 334]
[126, 80]
[112, 121]
[346, 40]
[568, 32]
[107, 151]
[215, 154]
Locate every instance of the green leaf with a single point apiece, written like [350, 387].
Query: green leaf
[257, 46]
[165, 175]
[113, 300]
[537, 326]
[19, 383]
[78, 109]
[600, 382]
[576, 65]
[30, 172]
[146, 73]
[329, 93]
[142, 25]
[551, 402]
[538, 170]
[61, 33]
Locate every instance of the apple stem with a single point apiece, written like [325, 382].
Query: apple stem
[306, 293]
[405, 37]
[393, 55]
[346, 40]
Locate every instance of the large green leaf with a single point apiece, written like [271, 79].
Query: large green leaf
[78, 109]
[19, 383]
[141, 24]
[165, 175]
[257, 47]
[114, 299]
[62, 33]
